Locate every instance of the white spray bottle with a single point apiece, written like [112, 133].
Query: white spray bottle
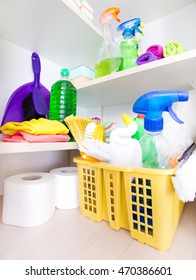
[123, 146]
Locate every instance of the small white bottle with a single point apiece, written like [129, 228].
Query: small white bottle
[125, 150]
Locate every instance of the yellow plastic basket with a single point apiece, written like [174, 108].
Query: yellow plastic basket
[140, 200]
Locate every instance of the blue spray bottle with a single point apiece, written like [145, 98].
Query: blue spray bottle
[155, 147]
[129, 45]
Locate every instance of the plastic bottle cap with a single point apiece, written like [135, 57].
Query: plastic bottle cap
[127, 119]
[65, 72]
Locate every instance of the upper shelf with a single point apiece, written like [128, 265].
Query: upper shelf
[172, 73]
[52, 28]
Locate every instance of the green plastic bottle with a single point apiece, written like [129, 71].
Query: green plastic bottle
[63, 98]
[129, 46]
[140, 123]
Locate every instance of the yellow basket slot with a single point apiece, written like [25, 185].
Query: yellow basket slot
[115, 199]
[140, 200]
[92, 194]
[153, 207]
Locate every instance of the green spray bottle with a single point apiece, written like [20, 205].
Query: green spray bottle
[129, 46]
[155, 147]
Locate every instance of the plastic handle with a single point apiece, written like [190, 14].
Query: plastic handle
[173, 114]
[129, 24]
[36, 68]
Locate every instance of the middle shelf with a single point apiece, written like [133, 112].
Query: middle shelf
[172, 73]
[10, 147]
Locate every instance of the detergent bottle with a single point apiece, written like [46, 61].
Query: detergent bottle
[139, 119]
[63, 99]
[155, 147]
[129, 46]
[123, 147]
[109, 59]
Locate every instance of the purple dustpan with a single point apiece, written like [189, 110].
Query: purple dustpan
[14, 111]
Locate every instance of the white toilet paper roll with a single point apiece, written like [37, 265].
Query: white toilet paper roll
[28, 199]
[66, 187]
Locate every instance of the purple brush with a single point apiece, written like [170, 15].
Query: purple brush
[14, 111]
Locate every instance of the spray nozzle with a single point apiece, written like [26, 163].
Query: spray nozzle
[153, 104]
[129, 27]
[109, 14]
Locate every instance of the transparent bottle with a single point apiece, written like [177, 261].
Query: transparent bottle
[109, 58]
[63, 98]
[129, 52]
[155, 150]
[129, 47]
[155, 147]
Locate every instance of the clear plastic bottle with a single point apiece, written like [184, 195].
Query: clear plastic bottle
[129, 47]
[155, 150]
[129, 52]
[155, 147]
[109, 58]
[63, 98]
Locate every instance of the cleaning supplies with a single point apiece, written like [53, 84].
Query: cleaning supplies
[34, 105]
[173, 48]
[129, 44]
[146, 58]
[97, 149]
[109, 59]
[123, 146]
[35, 127]
[63, 98]
[157, 50]
[155, 147]
[139, 119]
[77, 126]
[14, 108]
[185, 178]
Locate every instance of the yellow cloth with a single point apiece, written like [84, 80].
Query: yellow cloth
[35, 127]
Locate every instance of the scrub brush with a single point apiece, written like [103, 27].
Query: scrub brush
[77, 126]
[96, 149]
[95, 131]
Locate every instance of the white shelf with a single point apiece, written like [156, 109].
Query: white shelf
[52, 28]
[173, 73]
[12, 147]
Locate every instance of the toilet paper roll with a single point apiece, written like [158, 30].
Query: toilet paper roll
[28, 199]
[66, 187]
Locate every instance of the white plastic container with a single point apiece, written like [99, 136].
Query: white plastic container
[125, 150]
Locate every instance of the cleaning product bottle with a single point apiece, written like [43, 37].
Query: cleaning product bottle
[139, 119]
[123, 147]
[155, 147]
[129, 45]
[63, 98]
[109, 59]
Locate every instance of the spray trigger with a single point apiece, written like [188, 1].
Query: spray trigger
[173, 114]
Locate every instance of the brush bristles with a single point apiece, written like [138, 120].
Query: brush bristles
[29, 112]
[77, 127]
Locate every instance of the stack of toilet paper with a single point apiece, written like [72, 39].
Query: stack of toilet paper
[30, 199]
